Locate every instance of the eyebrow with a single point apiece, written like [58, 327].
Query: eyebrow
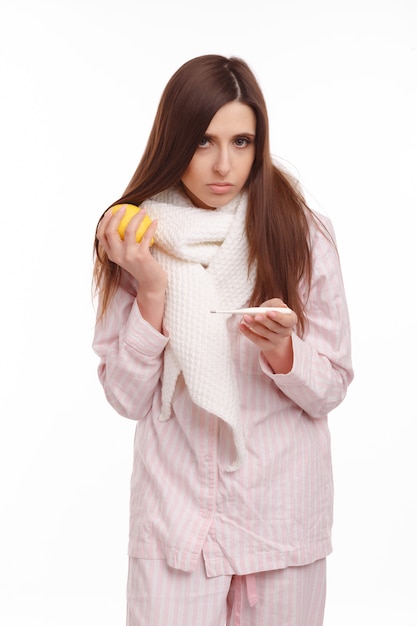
[242, 134]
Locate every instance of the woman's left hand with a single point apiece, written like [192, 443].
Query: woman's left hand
[271, 332]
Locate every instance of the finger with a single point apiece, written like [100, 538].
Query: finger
[261, 320]
[111, 222]
[262, 342]
[258, 324]
[267, 329]
[133, 226]
[103, 224]
[283, 319]
[274, 302]
[150, 233]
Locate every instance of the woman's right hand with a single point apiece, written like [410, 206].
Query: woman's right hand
[136, 258]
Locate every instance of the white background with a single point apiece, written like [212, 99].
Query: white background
[80, 82]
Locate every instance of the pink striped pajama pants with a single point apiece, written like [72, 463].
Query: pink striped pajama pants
[160, 596]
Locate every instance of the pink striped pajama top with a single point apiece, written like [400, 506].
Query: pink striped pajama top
[276, 509]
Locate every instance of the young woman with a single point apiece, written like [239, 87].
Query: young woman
[231, 493]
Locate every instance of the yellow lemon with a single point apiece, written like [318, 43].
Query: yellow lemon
[131, 210]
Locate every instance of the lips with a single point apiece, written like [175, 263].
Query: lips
[220, 188]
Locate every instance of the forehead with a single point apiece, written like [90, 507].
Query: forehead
[233, 118]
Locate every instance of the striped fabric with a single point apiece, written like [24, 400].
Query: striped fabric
[276, 510]
[158, 595]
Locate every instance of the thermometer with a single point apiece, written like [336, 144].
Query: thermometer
[253, 310]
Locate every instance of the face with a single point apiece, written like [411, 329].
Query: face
[222, 162]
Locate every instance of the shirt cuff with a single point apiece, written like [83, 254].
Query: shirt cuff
[300, 372]
[142, 336]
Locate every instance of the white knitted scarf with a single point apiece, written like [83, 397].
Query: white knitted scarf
[205, 255]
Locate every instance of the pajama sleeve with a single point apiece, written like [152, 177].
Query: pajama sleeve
[322, 367]
[131, 355]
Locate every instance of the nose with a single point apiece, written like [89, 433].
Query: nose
[222, 163]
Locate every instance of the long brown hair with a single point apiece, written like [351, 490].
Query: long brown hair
[277, 216]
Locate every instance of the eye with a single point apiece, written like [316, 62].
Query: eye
[242, 141]
[203, 142]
